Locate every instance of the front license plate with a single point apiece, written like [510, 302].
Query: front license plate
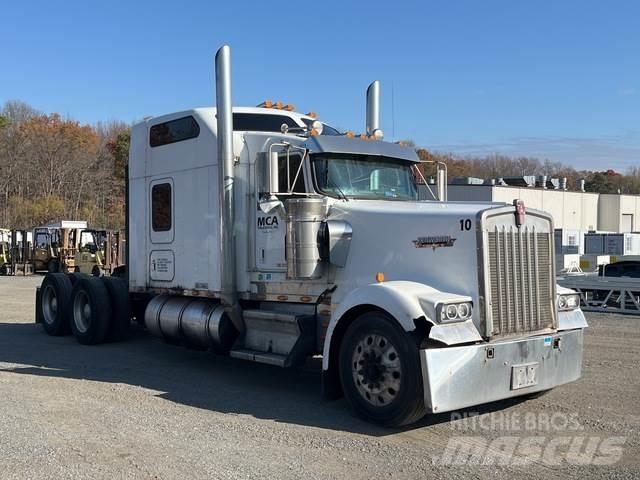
[524, 375]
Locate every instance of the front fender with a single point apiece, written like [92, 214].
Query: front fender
[405, 301]
[571, 319]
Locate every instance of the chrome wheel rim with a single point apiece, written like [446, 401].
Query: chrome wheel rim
[81, 311]
[376, 368]
[49, 305]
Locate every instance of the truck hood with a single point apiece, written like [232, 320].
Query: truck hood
[432, 243]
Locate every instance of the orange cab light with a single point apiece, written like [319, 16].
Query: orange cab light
[349, 134]
[363, 136]
[313, 132]
[313, 115]
[266, 104]
[278, 105]
[379, 277]
[289, 107]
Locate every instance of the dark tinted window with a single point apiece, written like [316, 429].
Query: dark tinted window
[254, 122]
[173, 131]
[161, 207]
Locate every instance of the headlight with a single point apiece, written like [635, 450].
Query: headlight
[568, 302]
[454, 312]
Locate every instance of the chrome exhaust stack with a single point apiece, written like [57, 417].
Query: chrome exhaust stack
[224, 115]
[373, 109]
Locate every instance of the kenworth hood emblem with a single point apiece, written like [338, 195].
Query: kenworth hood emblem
[434, 242]
[520, 212]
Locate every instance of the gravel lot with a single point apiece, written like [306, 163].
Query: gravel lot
[142, 409]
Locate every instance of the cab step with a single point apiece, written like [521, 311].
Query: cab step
[276, 337]
[259, 357]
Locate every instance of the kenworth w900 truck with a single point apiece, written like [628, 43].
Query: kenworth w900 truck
[269, 236]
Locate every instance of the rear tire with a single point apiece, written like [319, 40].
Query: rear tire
[53, 266]
[90, 311]
[380, 371]
[55, 298]
[75, 276]
[120, 312]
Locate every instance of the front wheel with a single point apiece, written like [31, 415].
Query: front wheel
[380, 371]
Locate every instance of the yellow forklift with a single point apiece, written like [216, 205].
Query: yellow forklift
[5, 250]
[55, 246]
[99, 252]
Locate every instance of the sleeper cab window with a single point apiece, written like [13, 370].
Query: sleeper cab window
[173, 131]
[161, 207]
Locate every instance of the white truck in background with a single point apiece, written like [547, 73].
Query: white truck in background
[269, 236]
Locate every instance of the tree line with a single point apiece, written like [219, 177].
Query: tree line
[54, 168]
[500, 166]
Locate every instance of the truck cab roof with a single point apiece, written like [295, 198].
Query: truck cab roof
[253, 119]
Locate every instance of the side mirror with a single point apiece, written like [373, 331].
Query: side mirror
[267, 172]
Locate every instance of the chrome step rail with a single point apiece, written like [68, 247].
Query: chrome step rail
[276, 337]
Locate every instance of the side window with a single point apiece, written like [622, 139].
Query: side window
[173, 131]
[254, 122]
[287, 175]
[161, 207]
[42, 240]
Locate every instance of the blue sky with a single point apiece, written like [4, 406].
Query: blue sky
[554, 79]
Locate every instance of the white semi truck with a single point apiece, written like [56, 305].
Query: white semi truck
[269, 236]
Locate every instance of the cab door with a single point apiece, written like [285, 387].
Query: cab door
[271, 228]
[162, 231]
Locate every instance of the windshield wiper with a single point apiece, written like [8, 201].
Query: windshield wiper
[329, 179]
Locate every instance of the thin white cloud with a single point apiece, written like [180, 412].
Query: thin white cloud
[626, 92]
[618, 152]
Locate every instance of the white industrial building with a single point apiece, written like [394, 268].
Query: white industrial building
[573, 210]
[619, 213]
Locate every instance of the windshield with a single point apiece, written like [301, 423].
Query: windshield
[364, 176]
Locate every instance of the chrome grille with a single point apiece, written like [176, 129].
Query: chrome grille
[520, 290]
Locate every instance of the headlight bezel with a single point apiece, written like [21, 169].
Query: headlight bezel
[452, 312]
[567, 302]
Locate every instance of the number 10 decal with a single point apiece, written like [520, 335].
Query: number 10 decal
[465, 224]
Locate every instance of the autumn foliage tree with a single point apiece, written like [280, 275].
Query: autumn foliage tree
[53, 168]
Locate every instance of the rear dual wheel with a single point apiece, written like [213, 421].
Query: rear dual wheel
[99, 310]
[93, 309]
[55, 294]
[90, 311]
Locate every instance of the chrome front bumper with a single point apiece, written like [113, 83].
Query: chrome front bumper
[460, 377]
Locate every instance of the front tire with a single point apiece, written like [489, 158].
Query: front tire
[380, 371]
[90, 311]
